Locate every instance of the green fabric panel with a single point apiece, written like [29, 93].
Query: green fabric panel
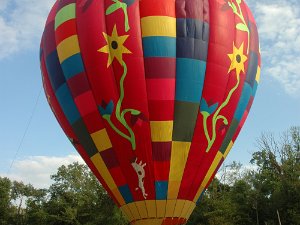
[186, 114]
[84, 137]
[66, 13]
[230, 133]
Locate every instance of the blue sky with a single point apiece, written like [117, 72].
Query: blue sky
[45, 147]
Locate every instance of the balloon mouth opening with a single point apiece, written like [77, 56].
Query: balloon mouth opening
[166, 220]
[158, 212]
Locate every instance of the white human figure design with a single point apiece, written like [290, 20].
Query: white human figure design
[139, 169]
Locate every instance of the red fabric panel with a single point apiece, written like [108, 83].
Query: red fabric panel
[161, 110]
[93, 122]
[118, 176]
[161, 89]
[85, 103]
[78, 84]
[161, 170]
[157, 8]
[160, 67]
[67, 30]
[161, 151]
[190, 9]
[48, 39]
[63, 3]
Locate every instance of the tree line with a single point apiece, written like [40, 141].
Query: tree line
[267, 193]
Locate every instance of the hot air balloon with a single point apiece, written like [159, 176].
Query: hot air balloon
[152, 94]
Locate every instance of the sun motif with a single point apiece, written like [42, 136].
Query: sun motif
[237, 59]
[115, 46]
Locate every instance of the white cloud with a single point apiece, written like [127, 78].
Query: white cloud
[36, 170]
[279, 23]
[21, 24]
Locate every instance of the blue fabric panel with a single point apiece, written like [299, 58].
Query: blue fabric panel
[193, 28]
[191, 48]
[161, 189]
[55, 72]
[190, 74]
[159, 47]
[41, 53]
[67, 103]
[128, 2]
[72, 66]
[192, 39]
[243, 102]
[125, 192]
[252, 68]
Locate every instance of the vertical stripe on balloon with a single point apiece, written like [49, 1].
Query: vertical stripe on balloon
[68, 51]
[159, 46]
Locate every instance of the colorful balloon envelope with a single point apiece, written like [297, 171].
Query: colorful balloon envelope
[152, 94]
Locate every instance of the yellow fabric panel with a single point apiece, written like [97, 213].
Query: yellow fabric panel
[161, 208]
[228, 149]
[67, 48]
[178, 208]
[158, 26]
[210, 172]
[173, 189]
[186, 207]
[190, 210]
[101, 140]
[161, 131]
[149, 222]
[257, 78]
[141, 206]
[134, 211]
[179, 155]
[102, 169]
[127, 213]
[170, 207]
[151, 208]
[118, 196]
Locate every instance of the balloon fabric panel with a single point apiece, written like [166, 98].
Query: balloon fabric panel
[106, 89]
[152, 94]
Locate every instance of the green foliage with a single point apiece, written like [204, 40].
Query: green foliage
[267, 194]
[5, 187]
[75, 198]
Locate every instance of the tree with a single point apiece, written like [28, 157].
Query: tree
[277, 180]
[5, 205]
[76, 197]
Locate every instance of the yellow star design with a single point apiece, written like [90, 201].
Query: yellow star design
[237, 59]
[115, 46]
